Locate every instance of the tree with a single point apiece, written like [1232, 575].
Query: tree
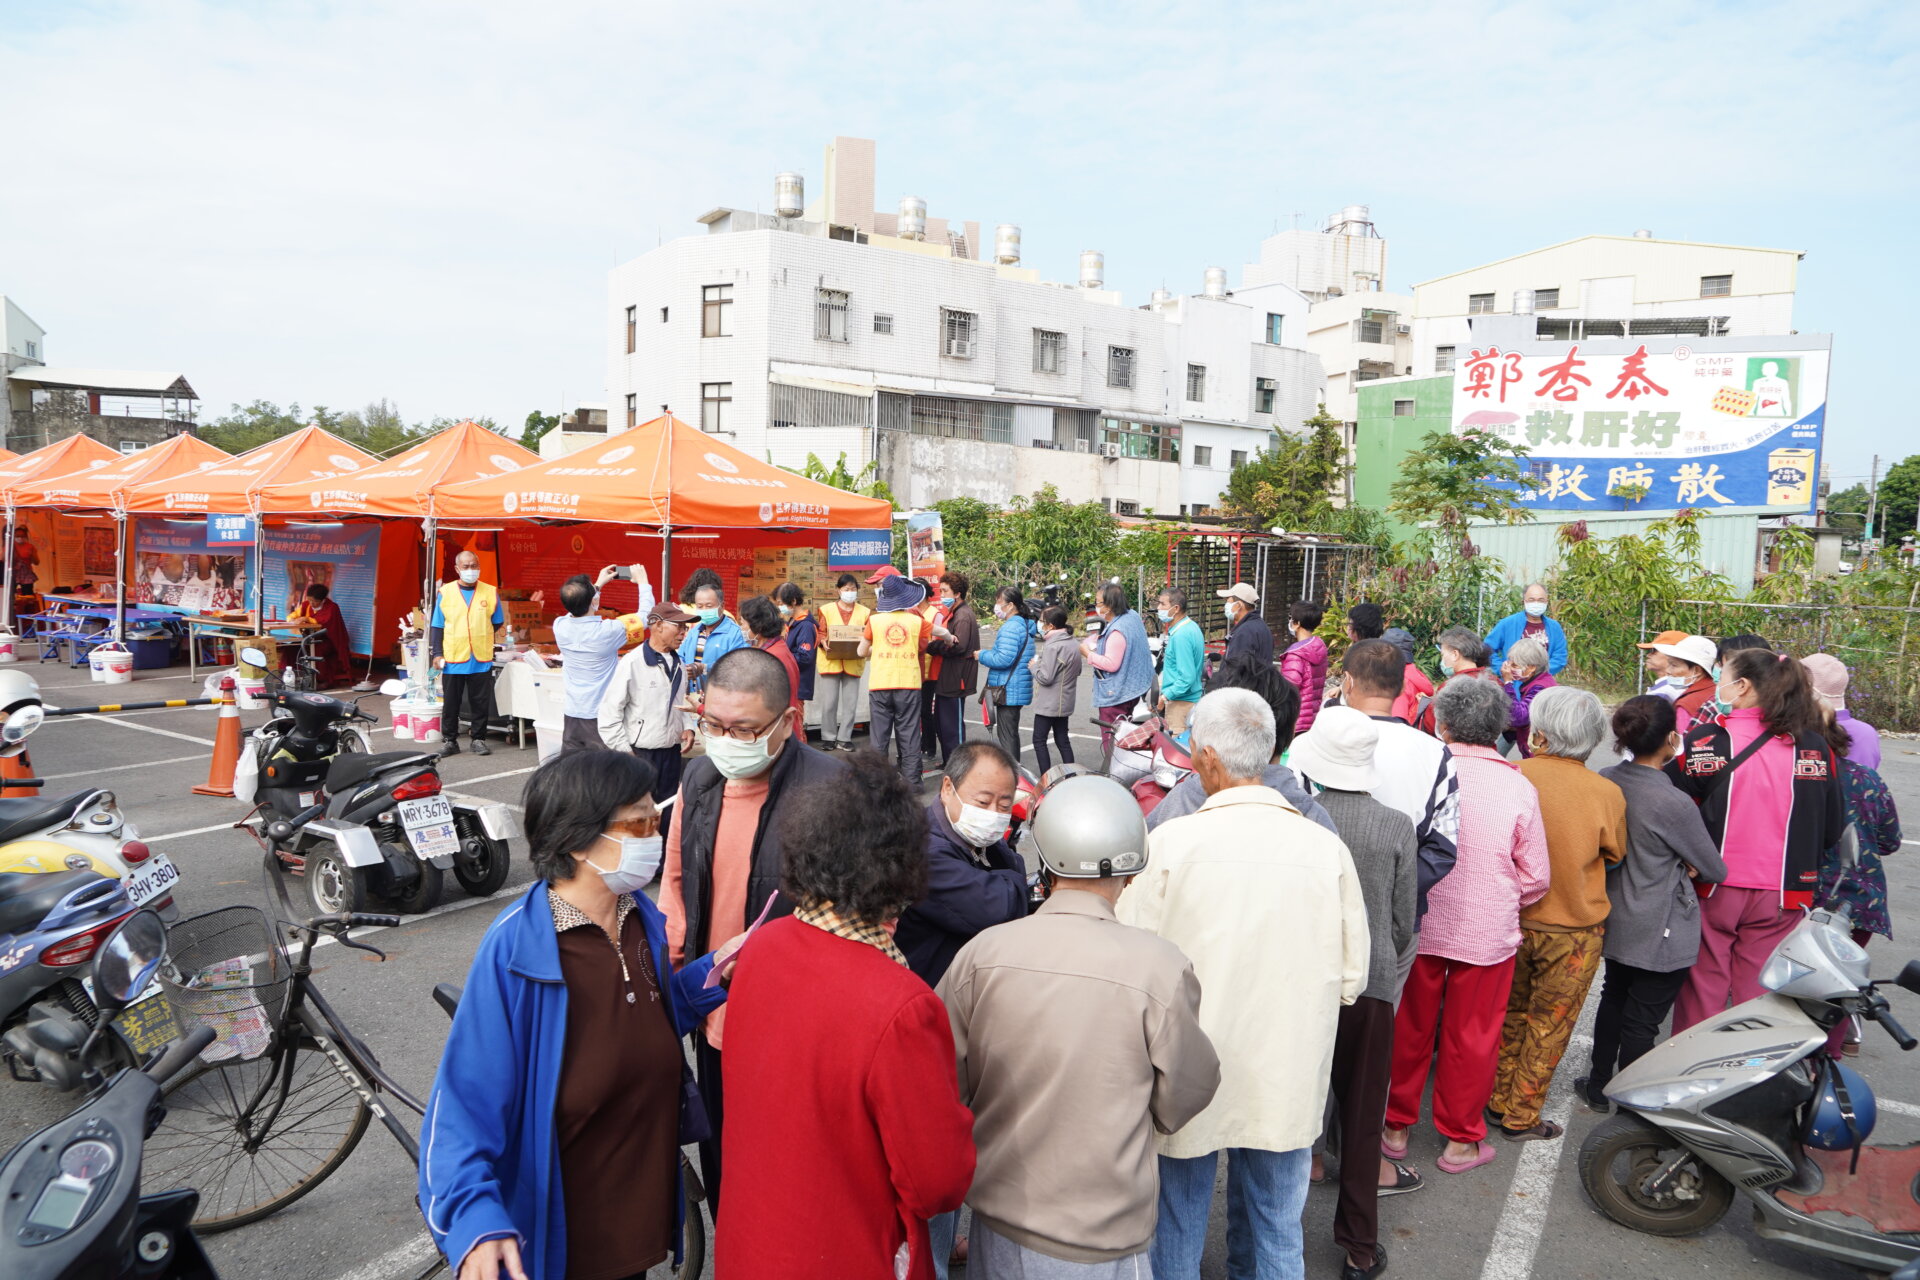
[866, 481]
[1047, 529]
[538, 424]
[1847, 509]
[1899, 500]
[250, 426]
[1452, 478]
[1292, 484]
[967, 527]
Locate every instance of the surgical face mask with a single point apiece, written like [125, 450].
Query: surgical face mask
[1536, 608]
[1226, 607]
[1446, 668]
[1002, 611]
[1724, 697]
[946, 601]
[708, 616]
[1164, 616]
[981, 827]
[469, 576]
[849, 597]
[786, 611]
[639, 862]
[736, 760]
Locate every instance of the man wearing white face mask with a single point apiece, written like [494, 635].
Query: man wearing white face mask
[460, 636]
[1533, 623]
[723, 848]
[974, 878]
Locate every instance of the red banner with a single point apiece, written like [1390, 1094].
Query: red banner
[540, 558]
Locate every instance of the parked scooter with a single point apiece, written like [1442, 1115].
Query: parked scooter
[1147, 761]
[75, 831]
[1748, 1104]
[51, 1029]
[369, 825]
[72, 1191]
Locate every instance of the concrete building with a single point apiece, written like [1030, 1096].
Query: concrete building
[896, 338]
[583, 425]
[125, 409]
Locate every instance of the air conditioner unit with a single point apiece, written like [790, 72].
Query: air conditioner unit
[1403, 329]
[960, 348]
[1110, 449]
[1082, 446]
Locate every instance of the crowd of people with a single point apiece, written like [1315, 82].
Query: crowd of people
[1368, 884]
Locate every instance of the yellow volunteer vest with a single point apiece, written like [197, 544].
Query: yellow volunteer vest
[838, 615]
[894, 655]
[469, 627]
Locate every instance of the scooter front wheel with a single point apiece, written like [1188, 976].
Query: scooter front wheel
[332, 885]
[1623, 1153]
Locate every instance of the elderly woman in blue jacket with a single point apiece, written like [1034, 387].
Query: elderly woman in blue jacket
[1531, 623]
[551, 1142]
[1006, 664]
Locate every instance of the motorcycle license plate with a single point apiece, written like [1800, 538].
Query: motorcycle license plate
[148, 1023]
[151, 879]
[429, 826]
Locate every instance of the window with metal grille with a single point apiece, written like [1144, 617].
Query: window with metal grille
[1716, 286]
[1238, 457]
[1150, 441]
[1403, 408]
[1049, 351]
[958, 331]
[1545, 299]
[1479, 304]
[1196, 382]
[801, 407]
[959, 419]
[830, 315]
[714, 399]
[1367, 331]
[1274, 321]
[1203, 455]
[633, 411]
[1263, 390]
[633, 329]
[1120, 366]
[882, 324]
[716, 306]
[1443, 359]
[1124, 508]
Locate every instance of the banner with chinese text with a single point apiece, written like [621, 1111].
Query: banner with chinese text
[344, 558]
[1655, 424]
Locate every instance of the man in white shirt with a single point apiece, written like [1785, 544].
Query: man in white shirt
[641, 710]
[589, 647]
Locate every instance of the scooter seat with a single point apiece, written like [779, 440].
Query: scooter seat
[25, 815]
[352, 770]
[27, 898]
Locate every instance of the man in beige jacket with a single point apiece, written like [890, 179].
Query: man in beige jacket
[1268, 907]
[1078, 1038]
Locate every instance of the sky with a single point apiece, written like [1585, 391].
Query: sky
[337, 202]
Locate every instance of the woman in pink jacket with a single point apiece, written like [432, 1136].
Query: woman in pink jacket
[1456, 995]
[1305, 661]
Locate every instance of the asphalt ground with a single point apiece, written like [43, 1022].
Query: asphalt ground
[1523, 1215]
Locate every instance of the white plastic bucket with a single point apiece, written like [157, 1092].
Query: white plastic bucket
[112, 663]
[424, 718]
[403, 719]
[6, 646]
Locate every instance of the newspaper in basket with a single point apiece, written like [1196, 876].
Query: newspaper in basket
[222, 996]
[229, 975]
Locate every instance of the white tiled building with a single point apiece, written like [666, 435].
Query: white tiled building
[962, 375]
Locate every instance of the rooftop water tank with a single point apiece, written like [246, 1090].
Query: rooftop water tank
[1162, 296]
[789, 195]
[1216, 286]
[913, 218]
[1643, 234]
[1006, 244]
[1523, 302]
[1356, 217]
[1093, 269]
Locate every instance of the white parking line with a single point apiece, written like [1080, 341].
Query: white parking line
[117, 768]
[1516, 1237]
[408, 1259]
[1898, 1108]
[144, 728]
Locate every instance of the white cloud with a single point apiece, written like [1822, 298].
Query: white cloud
[337, 202]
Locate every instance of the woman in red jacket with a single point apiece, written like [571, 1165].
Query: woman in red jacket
[1769, 788]
[845, 1130]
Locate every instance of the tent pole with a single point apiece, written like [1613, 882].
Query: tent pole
[120, 577]
[666, 543]
[6, 605]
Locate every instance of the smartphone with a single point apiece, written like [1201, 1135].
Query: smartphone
[623, 574]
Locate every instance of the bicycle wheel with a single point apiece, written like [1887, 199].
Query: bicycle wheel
[201, 1143]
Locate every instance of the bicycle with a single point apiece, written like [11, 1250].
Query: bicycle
[259, 1128]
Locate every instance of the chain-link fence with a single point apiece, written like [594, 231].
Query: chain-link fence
[1879, 643]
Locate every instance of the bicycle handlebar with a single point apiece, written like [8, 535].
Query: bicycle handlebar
[180, 1053]
[350, 920]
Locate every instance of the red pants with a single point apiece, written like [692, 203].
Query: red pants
[1461, 1007]
[1739, 928]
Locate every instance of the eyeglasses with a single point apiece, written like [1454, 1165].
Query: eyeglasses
[739, 733]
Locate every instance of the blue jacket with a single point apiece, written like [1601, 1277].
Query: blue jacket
[1135, 676]
[963, 897]
[725, 637]
[803, 642]
[1183, 652]
[1511, 629]
[489, 1155]
[1006, 661]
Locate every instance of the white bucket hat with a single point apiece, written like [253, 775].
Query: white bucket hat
[1338, 751]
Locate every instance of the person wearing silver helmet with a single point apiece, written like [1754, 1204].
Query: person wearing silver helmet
[1043, 1006]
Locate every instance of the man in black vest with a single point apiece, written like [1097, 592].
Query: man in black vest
[723, 849]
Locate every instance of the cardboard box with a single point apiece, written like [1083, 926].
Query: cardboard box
[844, 642]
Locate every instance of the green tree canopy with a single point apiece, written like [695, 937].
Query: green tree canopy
[1847, 509]
[538, 424]
[865, 482]
[1454, 478]
[1291, 485]
[1899, 500]
[378, 428]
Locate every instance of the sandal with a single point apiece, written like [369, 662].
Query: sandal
[1545, 1131]
[1405, 1180]
[1394, 1153]
[1483, 1154]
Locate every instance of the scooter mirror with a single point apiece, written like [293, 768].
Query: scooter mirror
[1910, 976]
[253, 657]
[393, 688]
[127, 961]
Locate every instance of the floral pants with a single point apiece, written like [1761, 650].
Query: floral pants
[1551, 975]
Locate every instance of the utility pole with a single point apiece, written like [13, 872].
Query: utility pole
[1873, 494]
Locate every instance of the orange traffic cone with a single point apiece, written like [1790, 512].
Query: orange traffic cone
[226, 745]
[20, 766]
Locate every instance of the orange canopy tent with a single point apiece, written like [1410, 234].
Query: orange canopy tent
[54, 459]
[174, 460]
[308, 456]
[403, 485]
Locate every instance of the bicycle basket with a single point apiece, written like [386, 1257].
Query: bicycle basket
[227, 972]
